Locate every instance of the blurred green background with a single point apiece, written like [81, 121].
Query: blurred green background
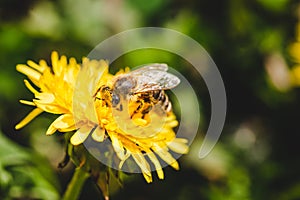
[257, 156]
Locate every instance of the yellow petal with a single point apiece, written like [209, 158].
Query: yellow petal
[54, 61]
[178, 145]
[35, 66]
[45, 97]
[72, 71]
[98, 134]
[63, 62]
[173, 123]
[81, 135]
[72, 62]
[29, 103]
[50, 108]
[140, 121]
[157, 165]
[166, 156]
[171, 117]
[148, 177]
[29, 72]
[43, 65]
[175, 165]
[28, 85]
[60, 65]
[35, 112]
[63, 123]
[128, 153]
[118, 147]
[142, 163]
[51, 129]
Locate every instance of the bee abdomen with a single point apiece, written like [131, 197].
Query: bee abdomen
[167, 104]
[161, 97]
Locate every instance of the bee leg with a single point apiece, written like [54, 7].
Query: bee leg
[102, 99]
[98, 98]
[137, 109]
[120, 108]
[97, 92]
[156, 94]
[146, 111]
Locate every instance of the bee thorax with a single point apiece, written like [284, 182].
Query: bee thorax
[124, 85]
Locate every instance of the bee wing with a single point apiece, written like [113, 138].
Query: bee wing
[153, 77]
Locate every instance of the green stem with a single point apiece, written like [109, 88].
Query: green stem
[75, 186]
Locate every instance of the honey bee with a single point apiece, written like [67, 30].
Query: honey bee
[145, 86]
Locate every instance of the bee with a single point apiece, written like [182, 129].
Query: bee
[145, 86]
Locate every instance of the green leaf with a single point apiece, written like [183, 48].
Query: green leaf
[24, 173]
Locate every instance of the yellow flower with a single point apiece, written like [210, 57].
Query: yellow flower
[58, 89]
[295, 54]
[295, 75]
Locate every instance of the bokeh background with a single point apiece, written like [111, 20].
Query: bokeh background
[257, 156]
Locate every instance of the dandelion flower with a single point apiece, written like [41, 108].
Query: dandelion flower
[57, 86]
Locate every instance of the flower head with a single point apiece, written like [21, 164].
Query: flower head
[56, 86]
[84, 104]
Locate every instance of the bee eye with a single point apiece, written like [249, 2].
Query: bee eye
[115, 100]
